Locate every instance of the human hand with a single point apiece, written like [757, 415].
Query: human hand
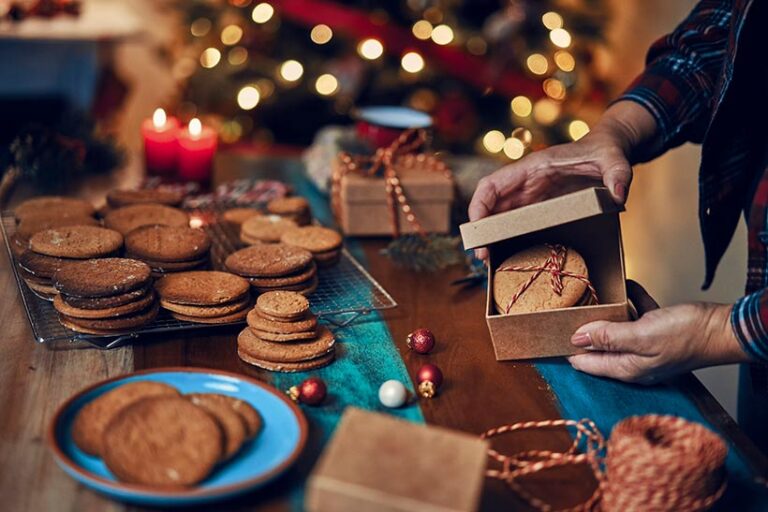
[661, 343]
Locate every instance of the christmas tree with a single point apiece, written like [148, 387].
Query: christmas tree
[498, 77]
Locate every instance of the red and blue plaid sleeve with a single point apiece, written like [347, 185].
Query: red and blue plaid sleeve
[682, 73]
[749, 319]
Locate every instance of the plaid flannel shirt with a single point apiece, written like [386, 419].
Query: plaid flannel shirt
[696, 86]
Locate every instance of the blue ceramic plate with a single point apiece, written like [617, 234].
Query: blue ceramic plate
[277, 447]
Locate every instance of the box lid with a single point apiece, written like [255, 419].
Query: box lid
[535, 217]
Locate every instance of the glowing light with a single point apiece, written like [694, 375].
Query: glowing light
[564, 60]
[577, 129]
[326, 84]
[477, 45]
[514, 148]
[195, 128]
[321, 34]
[521, 106]
[200, 27]
[291, 70]
[262, 13]
[370, 49]
[248, 97]
[493, 141]
[524, 135]
[554, 88]
[422, 29]
[237, 56]
[231, 35]
[442, 34]
[433, 14]
[159, 118]
[210, 57]
[560, 37]
[552, 20]
[412, 62]
[546, 111]
[537, 63]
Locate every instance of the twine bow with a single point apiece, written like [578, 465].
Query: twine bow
[385, 161]
[554, 266]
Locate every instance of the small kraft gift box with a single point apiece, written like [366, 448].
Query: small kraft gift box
[587, 221]
[377, 463]
[399, 190]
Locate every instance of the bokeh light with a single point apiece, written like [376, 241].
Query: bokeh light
[521, 106]
[321, 34]
[210, 57]
[262, 13]
[326, 84]
[370, 49]
[248, 97]
[493, 141]
[537, 63]
[291, 70]
[412, 62]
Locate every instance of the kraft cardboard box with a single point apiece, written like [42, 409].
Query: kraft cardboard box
[377, 463]
[588, 221]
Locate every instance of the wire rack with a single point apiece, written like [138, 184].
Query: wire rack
[344, 293]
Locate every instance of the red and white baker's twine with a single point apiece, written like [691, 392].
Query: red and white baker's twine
[402, 152]
[659, 463]
[554, 266]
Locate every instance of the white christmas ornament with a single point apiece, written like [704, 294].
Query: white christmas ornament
[393, 394]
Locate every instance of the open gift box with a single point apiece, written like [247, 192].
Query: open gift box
[588, 221]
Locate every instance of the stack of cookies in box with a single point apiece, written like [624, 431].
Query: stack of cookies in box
[272, 267]
[284, 336]
[168, 249]
[104, 296]
[205, 296]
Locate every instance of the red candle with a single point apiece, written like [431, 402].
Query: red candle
[161, 148]
[197, 147]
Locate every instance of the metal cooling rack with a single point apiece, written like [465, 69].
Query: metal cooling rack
[344, 293]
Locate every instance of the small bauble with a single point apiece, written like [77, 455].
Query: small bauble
[429, 379]
[393, 394]
[310, 392]
[421, 341]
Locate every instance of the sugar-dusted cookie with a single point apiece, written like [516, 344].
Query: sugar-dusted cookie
[283, 305]
[232, 424]
[315, 239]
[91, 421]
[163, 442]
[295, 208]
[207, 311]
[40, 264]
[167, 243]
[239, 215]
[125, 309]
[268, 260]
[124, 197]
[120, 323]
[302, 366]
[248, 342]
[305, 288]
[202, 288]
[57, 204]
[257, 321]
[111, 301]
[79, 242]
[290, 337]
[250, 416]
[237, 316]
[128, 218]
[101, 277]
[34, 223]
[266, 228]
[301, 276]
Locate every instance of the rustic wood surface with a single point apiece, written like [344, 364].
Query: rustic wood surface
[480, 393]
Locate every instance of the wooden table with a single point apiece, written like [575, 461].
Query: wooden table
[480, 392]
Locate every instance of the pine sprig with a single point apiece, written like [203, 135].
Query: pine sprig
[425, 254]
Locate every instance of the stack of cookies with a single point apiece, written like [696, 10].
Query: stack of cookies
[128, 218]
[205, 296]
[323, 243]
[236, 216]
[104, 296]
[265, 229]
[52, 249]
[124, 197]
[284, 336]
[295, 208]
[169, 248]
[271, 267]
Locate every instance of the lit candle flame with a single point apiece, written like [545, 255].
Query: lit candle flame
[159, 118]
[195, 127]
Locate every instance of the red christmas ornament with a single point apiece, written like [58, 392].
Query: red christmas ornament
[310, 392]
[429, 378]
[421, 341]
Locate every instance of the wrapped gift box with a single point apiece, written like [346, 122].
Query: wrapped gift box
[588, 221]
[377, 463]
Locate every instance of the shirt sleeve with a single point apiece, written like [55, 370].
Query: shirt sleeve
[682, 73]
[749, 319]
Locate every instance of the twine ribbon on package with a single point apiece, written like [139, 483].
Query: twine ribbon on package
[404, 152]
[653, 462]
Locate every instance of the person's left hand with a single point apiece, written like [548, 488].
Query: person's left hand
[661, 343]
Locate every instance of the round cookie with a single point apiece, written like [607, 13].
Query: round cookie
[202, 288]
[266, 228]
[250, 416]
[58, 204]
[539, 295]
[167, 243]
[103, 277]
[206, 311]
[260, 323]
[259, 349]
[78, 242]
[112, 301]
[306, 288]
[313, 238]
[162, 442]
[126, 309]
[268, 260]
[292, 205]
[299, 277]
[41, 221]
[123, 197]
[285, 338]
[43, 291]
[42, 265]
[232, 424]
[85, 330]
[91, 421]
[283, 305]
[237, 316]
[176, 266]
[117, 323]
[128, 218]
[239, 215]
[303, 366]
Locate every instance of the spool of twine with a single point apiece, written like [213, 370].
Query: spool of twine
[650, 463]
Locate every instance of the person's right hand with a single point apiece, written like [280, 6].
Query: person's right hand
[597, 158]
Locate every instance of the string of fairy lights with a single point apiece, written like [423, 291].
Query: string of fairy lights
[553, 70]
